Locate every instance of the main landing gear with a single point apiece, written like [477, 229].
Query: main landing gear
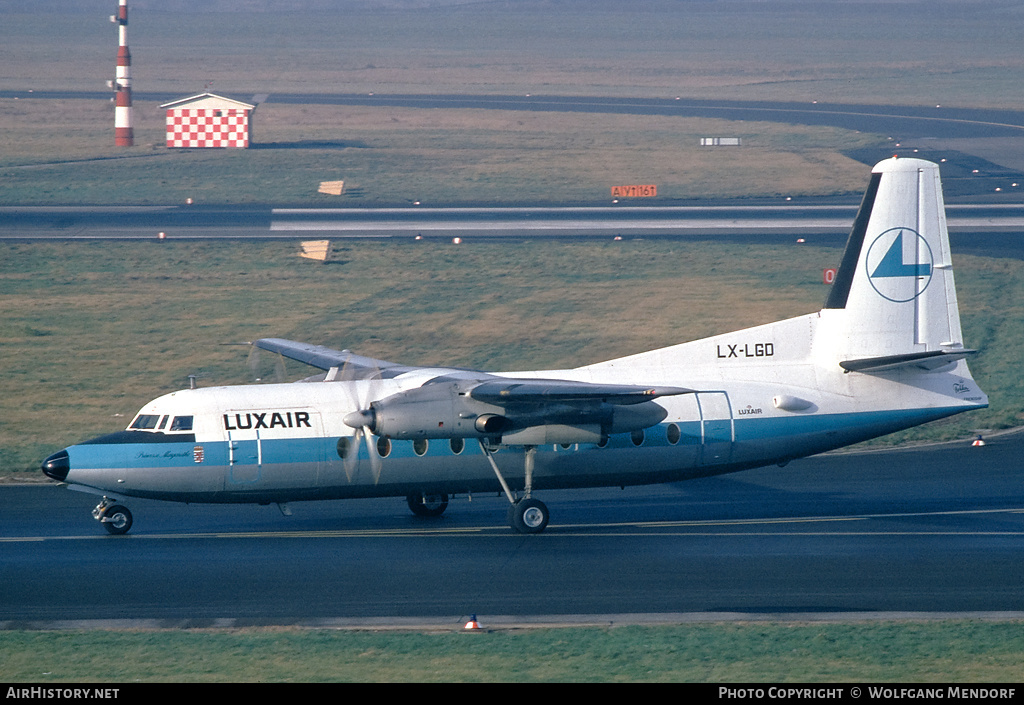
[427, 505]
[115, 518]
[526, 515]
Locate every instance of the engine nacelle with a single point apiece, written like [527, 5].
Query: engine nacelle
[439, 410]
[549, 434]
[446, 410]
[492, 424]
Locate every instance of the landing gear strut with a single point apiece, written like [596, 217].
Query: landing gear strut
[115, 518]
[526, 515]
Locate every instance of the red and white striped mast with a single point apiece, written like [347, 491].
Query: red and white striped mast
[123, 133]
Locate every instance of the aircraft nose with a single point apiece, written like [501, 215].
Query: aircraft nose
[57, 466]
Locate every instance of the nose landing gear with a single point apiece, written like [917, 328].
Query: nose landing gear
[115, 518]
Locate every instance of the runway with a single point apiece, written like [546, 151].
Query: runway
[934, 530]
[25, 223]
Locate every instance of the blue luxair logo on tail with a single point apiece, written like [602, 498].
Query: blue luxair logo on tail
[899, 271]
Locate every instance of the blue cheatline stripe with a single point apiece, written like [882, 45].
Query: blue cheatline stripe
[280, 451]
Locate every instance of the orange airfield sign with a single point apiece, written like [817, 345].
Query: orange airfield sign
[643, 191]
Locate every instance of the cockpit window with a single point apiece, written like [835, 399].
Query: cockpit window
[145, 421]
[181, 423]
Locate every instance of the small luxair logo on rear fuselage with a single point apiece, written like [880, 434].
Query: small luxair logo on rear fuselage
[899, 264]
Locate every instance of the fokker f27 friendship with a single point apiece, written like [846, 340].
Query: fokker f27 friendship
[885, 353]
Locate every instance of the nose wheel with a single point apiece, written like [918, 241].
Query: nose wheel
[116, 519]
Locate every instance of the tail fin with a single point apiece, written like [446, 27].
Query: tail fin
[893, 302]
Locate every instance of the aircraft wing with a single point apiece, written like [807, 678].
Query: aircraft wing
[350, 365]
[482, 386]
[538, 391]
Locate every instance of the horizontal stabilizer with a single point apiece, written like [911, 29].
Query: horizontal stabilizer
[930, 360]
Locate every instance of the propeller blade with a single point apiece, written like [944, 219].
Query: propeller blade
[280, 373]
[376, 463]
[361, 393]
[351, 458]
[253, 363]
[366, 414]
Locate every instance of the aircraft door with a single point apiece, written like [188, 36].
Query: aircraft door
[717, 431]
[274, 449]
[244, 457]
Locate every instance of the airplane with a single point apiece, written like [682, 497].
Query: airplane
[885, 353]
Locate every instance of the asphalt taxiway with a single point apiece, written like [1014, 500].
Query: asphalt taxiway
[972, 222]
[936, 530]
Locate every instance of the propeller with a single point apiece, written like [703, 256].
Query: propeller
[361, 420]
[257, 365]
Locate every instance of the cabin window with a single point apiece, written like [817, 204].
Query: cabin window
[637, 437]
[672, 433]
[145, 422]
[419, 446]
[383, 446]
[163, 422]
[181, 423]
[344, 445]
[457, 445]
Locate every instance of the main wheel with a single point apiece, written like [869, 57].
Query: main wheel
[427, 505]
[529, 516]
[117, 519]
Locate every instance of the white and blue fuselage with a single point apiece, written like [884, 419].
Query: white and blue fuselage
[884, 354]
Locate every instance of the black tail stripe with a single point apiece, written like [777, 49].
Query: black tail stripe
[840, 290]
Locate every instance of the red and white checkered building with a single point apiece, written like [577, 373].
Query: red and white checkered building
[208, 120]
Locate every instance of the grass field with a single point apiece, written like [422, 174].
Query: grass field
[962, 52]
[956, 652]
[393, 156]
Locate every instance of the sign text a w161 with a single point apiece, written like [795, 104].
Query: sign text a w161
[635, 191]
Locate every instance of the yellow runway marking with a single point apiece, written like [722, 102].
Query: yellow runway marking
[650, 528]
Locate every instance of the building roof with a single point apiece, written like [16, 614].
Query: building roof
[210, 101]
